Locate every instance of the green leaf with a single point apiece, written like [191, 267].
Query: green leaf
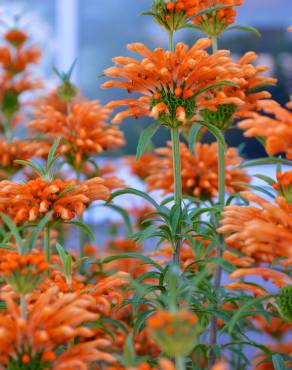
[222, 263]
[194, 132]
[278, 362]
[51, 156]
[267, 179]
[67, 189]
[238, 314]
[33, 165]
[68, 266]
[245, 28]
[82, 226]
[124, 215]
[12, 227]
[217, 133]
[216, 84]
[132, 191]
[129, 352]
[35, 234]
[254, 187]
[212, 9]
[147, 260]
[62, 253]
[6, 246]
[263, 161]
[145, 138]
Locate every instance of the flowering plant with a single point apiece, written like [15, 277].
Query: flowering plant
[172, 287]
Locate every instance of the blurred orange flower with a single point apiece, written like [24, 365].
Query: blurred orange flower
[276, 130]
[83, 128]
[29, 201]
[53, 320]
[262, 231]
[199, 171]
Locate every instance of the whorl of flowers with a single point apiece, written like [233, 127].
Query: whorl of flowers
[29, 201]
[15, 59]
[22, 272]
[84, 129]
[219, 111]
[169, 82]
[262, 231]
[214, 22]
[276, 130]
[19, 149]
[53, 320]
[199, 171]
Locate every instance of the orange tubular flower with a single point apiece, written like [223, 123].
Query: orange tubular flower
[276, 130]
[199, 171]
[219, 109]
[141, 167]
[23, 273]
[215, 22]
[28, 202]
[53, 320]
[278, 278]
[84, 130]
[16, 149]
[169, 82]
[262, 231]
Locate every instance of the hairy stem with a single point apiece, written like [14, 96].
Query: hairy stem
[177, 184]
[47, 244]
[219, 246]
[170, 41]
[81, 235]
[23, 306]
[180, 363]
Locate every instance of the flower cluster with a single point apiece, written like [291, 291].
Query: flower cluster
[27, 202]
[199, 171]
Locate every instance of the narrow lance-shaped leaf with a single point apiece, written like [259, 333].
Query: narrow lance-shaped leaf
[245, 28]
[145, 138]
[14, 231]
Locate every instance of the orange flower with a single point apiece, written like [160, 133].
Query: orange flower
[284, 185]
[53, 320]
[277, 130]
[217, 21]
[262, 231]
[16, 149]
[220, 110]
[84, 130]
[132, 266]
[23, 273]
[199, 171]
[15, 37]
[29, 201]
[169, 82]
[278, 278]
[141, 167]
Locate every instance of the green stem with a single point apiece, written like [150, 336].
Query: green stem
[47, 244]
[23, 306]
[170, 41]
[220, 245]
[180, 363]
[214, 44]
[81, 236]
[177, 183]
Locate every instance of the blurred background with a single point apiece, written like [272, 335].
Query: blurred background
[94, 31]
